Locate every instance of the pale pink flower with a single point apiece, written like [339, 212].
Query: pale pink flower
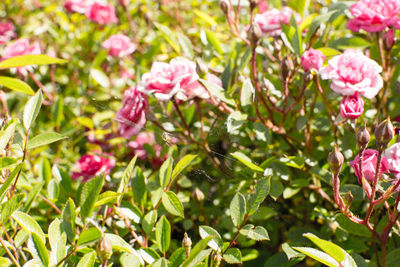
[312, 59]
[132, 115]
[78, 6]
[165, 80]
[101, 13]
[7, 32]
[353, 72]
[369, 165]
[138, 146]
[198, 90]
[392, 154]
[351, 106]
[119, 45]
[374, 15]
[21, 47]
[91, 165]
[262, 6]
[270, 21]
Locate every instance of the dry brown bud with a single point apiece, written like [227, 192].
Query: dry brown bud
[286, 67]
[335, 160]
[362, 137]
[198, 195]
[384, 133]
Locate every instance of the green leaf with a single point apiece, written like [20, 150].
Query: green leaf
[107, 198]
[316, 23]
[7, 134]
[8, 207]
[26, 60]
[247, 93]
[68, 220]
[172, 204]
[87, 260]
[166, 172]
[198, 253]
[149, 255]
[29, 224]
[205, 17]
[139, 189]
[148, 221]
[233, 256]
[182, 164]
[297, 42]
[216, 242]
[351, 227]
[169, 36]
[177, 258]
[125, 177]
[162, 262]
[32, 196]
[39, 248]
[58, 240]
[261, 192]
[16, 85]
[186, 45]
[237, 209]
[393, 258]
[118, 243]
[259, 233]
[214, 41]
[4, 187]
[31, 109]
[89, 236]
[129, 260]
[331, 249]
[350, 43]
[53, 190]
[318, 256]
[218, 92]
[234, 121]
[45, 139]
[88, 196]
[100, 77]
[246, 161]
[163, 234]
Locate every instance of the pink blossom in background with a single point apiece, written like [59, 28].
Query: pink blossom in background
[166, 80]
[91, 165]
[7, 32]
[198, 90]
[374, 15]
[138, 148]
[132, 116]
[21, 47]
[78, 6]
[312, 59]
[262, 6]
[101, 13]
[392, 154]
[270, 21]
[353, 72]
[368, 166]
[351, 106]
[119, 45]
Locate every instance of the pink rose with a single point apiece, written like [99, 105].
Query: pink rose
[79, 6]
[353, 72]
[119, 45]
[101, 13]
[7, 32]
[352, 106]
[132, 115]
[392, 154]
[312, 59]
[270, 21]
[166, 80]
[21, 47]
[198, 90]
[374, 15]
[91, 165]
[138, 148]
[368, 165]
[262, 6]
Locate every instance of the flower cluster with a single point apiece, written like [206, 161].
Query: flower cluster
[270, 20]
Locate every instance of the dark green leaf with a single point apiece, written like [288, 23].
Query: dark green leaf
[238, 209]
[163, 234]
[125, 177]
[88, 196]
[165, 172]
[68, 220]
[172, 203]
[260, 193]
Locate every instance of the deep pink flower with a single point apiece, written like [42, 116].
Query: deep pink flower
[101, 13]
[312, 59]
[374, 15]
[352, 106]
[119, 45]
[7, 32]
[132, 115]
[21, 47]
[368, 165]
[353, 72]
[388, 37]
[392, 154]
[79, 6]
[166, 80]
[91, 165]
[270, 21]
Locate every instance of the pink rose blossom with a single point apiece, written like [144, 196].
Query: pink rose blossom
[138, 148]
[374, 15]
[7, 32]
[166, 80]
[368, 165]
[101, 13]
[21, 47]
[79, 6]
[270, 21]
[392, 154]
[119, 45]
[312, 59]
[91, 165]
[132, 115]
[353, 72]
[262, 6]
[198, 90]
[352, 106]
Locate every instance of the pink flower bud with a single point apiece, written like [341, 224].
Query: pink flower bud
[352, 107]
[7, 32]
[312, 59]
[119, 45]
[388, 37]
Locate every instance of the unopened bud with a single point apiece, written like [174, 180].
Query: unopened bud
[201, 67]
[216, 259]
[286, 67]
[224, 5]
[362, 137]
[186, 242]
[198, 195]
[335, 160]
[254, 34]
[104, 249]
[384, 133]
[348, 198]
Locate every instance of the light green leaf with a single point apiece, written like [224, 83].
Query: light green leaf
[331, 249]
[148, 221]
[259, 233]
[16, 85]
[4, 187]
[8, 207]
[31, 109]
[100, 77]
[205, 17]
[38, 248]
[247, 93]
[89, 236]
[87, 260]
[138, 184]
[350, 43]
[169, 36]
[29, 224]
[233, 256]
[216, 242]
[237, 209]
[125, 177]
[53, 189]
[32, 196]
[107, 198]
[88, 196]
[26, 60]
[182, 164]
[58, 239]
[318, 256]
[149, 255]
[246, 161]
[162, 262]
[234, 121]
[172, 204]
[218, 92]
[166, 172]
[163, 234]
[214, 41]
[118, 243]
[45, 139]
[261, 192]
[186, 45]
[7, 134]
[129, 260]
